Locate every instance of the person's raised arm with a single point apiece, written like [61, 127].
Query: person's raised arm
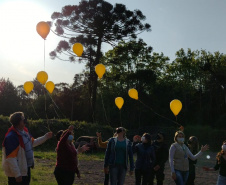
[100, 142]
[42, 139]
[194, 157]
[216, 167]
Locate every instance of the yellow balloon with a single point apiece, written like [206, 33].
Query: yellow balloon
[28, 87]
[43, 29]
[100, 70]
[42, 77]
[175, 106]
[78, 49]
[50, 86]
[119, 101]
[133, 94]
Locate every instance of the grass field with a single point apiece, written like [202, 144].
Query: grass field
[45, 162]
[91, 169]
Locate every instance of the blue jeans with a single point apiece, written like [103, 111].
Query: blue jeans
[182, 177]
[117, 174]
[221, 180]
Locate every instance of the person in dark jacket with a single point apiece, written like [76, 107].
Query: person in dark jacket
[162, 154]
[145, 159]
[193, 145]
[118, 152]
[220, 164]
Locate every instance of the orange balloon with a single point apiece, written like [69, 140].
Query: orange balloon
[50, 86]
[119, 101]
[175, 106]
[43, 29]
[42, 77]
[100, 70]
[78, 49]
[133, 94]
[28, 87]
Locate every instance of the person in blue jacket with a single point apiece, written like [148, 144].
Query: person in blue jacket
[145, 159]
[118, 153]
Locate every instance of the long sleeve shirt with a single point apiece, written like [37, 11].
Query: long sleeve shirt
[187, 154]
[101, 143]
[67, 155]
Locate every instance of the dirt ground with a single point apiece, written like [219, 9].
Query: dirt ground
[92, 173]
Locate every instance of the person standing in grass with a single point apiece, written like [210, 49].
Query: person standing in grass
[220, 165]
[178, 158]
[145, 159]
[17, 150]
[67, 159]
[118, 153]
[193, 145]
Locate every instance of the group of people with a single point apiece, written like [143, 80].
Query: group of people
[18, 158]
[150, 162]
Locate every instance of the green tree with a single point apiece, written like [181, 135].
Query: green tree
[93, 23]
[9, 99]
[129, 65]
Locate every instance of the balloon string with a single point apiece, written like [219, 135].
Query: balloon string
[103, 105]
[120, 117]
[44, 54]
[36, 114]
[45, 110]
[33, 107]
[56, 106]
[159, 114]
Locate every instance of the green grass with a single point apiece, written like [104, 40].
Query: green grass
[45, 162]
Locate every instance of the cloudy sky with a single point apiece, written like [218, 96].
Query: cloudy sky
[175, 24]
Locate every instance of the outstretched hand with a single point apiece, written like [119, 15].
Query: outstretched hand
[204, 148]
[49, 135]
[82, 149]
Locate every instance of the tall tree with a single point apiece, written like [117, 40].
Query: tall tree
[9, 99]
[94, 22]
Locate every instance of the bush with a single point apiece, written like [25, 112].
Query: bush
[37, 128]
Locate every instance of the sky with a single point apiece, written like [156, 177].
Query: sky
[175, 24]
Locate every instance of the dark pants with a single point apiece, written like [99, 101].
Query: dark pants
[191, 176]
[64, 177]
[25, 179]
[142, 175]
[159, 176]
[106, 179]
[191, 179]
[117, 174]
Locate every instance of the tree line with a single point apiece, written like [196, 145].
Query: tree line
[196, 78]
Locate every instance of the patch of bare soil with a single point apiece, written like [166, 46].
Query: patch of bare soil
[92, 173]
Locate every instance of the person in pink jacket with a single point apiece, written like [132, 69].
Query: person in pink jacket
[17, 149]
